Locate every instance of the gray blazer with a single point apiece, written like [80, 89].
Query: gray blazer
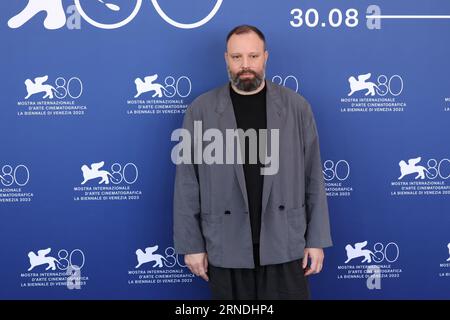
[210, 207]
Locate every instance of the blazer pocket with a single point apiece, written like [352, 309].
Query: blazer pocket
[296, 230]
[212, 233]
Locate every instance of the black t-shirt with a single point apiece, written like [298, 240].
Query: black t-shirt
[250, 113]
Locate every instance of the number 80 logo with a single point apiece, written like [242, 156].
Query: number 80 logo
[158, 9]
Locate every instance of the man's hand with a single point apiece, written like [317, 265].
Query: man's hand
[198, 264]
[316, 255]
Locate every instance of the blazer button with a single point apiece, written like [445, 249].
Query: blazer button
[227, 212]
[281, 207]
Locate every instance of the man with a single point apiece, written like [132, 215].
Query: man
[253, 231]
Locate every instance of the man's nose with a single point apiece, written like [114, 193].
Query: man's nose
[245, 63]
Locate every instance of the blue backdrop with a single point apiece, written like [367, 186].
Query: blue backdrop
[91, 92]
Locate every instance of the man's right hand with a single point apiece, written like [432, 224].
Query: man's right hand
[198, 264]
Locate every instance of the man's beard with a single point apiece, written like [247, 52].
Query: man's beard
[247, 84]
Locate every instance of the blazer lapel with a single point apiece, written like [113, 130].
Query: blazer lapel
[227, 120]
[274, 115]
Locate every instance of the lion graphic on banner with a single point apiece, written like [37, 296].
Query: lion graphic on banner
[39, 86]
[40, 259]
[148, 256]
[358, 251]
[410, 168]
[55, 16]
[448, 246]
[361, 84]
[147, 85]
[94, 172]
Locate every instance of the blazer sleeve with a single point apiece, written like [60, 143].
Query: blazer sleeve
[318, 226]
[187, 233]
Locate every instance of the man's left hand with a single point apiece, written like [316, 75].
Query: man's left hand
[316, 256]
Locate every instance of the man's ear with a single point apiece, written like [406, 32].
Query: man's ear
[225, 55]
[266, 55]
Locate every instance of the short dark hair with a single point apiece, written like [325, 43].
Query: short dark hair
[246, 28]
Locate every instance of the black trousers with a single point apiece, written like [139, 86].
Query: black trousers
[285, 281]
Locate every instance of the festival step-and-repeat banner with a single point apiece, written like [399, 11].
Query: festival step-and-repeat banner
[92, 90]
